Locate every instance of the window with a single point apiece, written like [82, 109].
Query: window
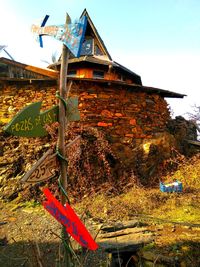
[87, 47]
[98, 74]
[97, 51]
[3, 70]
[71, 73]
[121, 77]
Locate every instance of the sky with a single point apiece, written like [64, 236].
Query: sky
[157, 39]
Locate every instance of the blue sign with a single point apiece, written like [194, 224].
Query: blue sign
[71, 34]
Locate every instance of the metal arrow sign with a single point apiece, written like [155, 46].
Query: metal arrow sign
[29, 121]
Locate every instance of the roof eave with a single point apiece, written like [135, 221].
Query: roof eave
[42, 71]
[135, 87]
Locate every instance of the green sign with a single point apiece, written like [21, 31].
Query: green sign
[73, 113]
[29, 121]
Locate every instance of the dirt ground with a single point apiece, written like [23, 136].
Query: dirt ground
[21, 229]
[29, 237]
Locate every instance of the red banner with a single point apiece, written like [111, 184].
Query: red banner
[68, 218]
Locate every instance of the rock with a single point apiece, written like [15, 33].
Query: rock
[126, 231]
[123, 237]
[152, 264]
[131, 241]
[27, 223]
[119, 226]
[158, 258]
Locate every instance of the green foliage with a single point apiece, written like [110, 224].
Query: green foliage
[149, 246]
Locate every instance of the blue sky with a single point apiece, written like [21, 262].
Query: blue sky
[158, 39]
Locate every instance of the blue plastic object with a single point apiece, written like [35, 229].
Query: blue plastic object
[175, 186]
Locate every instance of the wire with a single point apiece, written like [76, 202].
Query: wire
[63, 100]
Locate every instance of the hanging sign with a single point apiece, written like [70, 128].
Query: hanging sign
[71, 34]
[29, 121]
[68, 218]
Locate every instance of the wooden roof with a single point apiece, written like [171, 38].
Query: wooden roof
[45, 72]
[100, 61]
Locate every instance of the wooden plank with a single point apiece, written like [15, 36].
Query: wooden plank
[29, 121]
[192, 142]
[45, 168]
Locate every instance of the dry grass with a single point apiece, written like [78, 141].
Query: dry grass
[182, 207]
[188, 173]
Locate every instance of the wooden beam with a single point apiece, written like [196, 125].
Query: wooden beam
[192, 142]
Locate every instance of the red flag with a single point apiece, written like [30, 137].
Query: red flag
[68, 218]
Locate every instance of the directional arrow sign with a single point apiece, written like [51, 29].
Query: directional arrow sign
[68, 218]
[29, 121]
[46, 167]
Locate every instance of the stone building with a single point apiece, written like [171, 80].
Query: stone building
[111, 97]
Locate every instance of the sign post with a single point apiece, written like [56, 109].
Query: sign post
[29, 122]
[61, 136]
[62, 119]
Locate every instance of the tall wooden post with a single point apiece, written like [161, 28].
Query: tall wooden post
[61, 141]
[62, 119]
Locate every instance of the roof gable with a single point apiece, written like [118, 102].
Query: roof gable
[92, 32]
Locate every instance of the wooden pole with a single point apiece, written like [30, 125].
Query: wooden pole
[62, 119]
[61, 143]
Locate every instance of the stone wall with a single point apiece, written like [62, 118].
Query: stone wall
[122, 112]
[134, 123]
[13, 97]
[184, 130]
[127, 118]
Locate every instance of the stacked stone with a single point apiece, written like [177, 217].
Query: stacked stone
[14, 97]
[122, 113]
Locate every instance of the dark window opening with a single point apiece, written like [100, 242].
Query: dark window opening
[3, 70]
[97, 51]
[71, 73]
[121, 77]
[98, 74]
[87, 47]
